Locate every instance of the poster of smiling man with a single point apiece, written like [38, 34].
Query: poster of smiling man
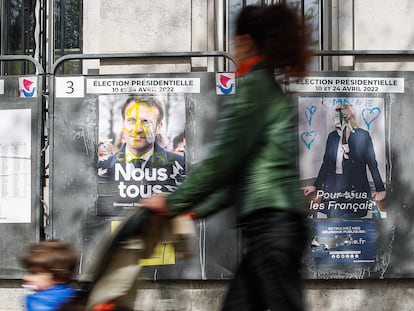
[141, 149]
[342, 156]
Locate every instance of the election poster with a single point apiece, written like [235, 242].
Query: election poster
[342, 156]
[343, 141]
[121, 138]
[141, 149]
[351, 235]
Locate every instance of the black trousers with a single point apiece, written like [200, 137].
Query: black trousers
[269, 274]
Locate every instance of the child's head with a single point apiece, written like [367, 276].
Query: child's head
[49, 263]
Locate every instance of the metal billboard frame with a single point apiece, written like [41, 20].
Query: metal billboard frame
[37, 217]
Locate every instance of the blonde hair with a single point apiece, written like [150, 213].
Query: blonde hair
[351, 108]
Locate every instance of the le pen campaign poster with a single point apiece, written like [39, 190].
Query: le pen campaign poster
[343, 155]
[342, 144]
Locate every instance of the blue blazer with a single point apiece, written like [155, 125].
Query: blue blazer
[361, 155]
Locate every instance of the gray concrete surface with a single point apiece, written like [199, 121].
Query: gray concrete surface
[330, 295]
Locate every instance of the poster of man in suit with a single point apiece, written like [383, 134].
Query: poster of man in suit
[136, 155]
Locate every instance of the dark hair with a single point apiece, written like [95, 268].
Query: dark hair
[56, 257]
[280, 34]
[178, 139]
[150, 100]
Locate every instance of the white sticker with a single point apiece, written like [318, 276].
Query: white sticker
[28, 87]
[347, 85]
[70, 87]
[225, 83]
[142, 85]
[1, 87]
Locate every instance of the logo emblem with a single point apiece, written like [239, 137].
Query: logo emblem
[226, 83]
[27, 87]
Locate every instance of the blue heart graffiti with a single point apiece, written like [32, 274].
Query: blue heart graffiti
[308, 138]
[369, 115]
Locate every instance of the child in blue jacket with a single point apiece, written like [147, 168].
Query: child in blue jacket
[50, 265]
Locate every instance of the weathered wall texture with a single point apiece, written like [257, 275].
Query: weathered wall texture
[356, 295]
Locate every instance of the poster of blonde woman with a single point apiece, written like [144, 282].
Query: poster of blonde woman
[342, 156]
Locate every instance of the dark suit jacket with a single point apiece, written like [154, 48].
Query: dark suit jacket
[361, 155]
[163, 172]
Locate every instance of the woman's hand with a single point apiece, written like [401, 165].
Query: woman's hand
[157, 204]
[308, 190]
[379, 196]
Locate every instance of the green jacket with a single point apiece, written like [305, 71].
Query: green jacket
[252, 163]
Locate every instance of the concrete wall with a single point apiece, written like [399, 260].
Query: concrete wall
[370, 25]
[147, 26]
[349, 295]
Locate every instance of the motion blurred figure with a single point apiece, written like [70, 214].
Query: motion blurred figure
[51, 265]
[253, 163]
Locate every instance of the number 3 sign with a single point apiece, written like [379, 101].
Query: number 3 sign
[70, 87]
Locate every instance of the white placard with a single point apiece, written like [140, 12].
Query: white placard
[15, 166]
[70, 87]
[142, 85]
[1, 87]
[347, 85]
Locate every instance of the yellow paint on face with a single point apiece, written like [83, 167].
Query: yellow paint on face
[139, 115]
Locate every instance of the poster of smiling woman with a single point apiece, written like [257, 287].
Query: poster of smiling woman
[342, 156]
